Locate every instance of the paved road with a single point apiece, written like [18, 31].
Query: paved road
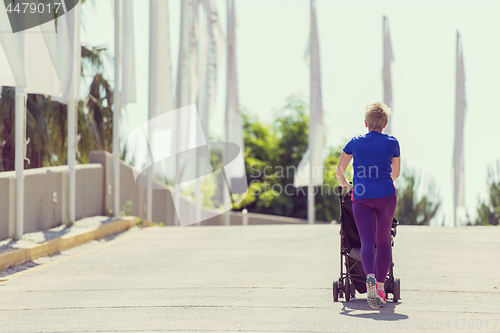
[253, 279]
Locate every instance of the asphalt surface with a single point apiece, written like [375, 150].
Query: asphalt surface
[253, 279]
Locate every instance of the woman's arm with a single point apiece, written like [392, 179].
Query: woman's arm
[396, 166]
[341, 166]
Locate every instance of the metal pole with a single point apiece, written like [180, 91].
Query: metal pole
[456, 158]
[244, 214]
[149, 195]
[384, 57]
[310, 199]
[71, 152]
[227, 217]
[310, 187]
[20, 126]
[116, 113]
[197, 194]
[181, 100]
[72, 121]
[152, 53]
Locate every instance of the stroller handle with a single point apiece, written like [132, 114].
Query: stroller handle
[339, 192]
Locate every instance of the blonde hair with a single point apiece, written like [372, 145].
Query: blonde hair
[376, 115]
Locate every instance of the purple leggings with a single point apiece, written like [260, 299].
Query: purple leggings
[380, 211]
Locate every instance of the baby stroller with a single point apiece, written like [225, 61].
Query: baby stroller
[354, 276]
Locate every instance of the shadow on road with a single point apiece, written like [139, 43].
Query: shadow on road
[17, 269]
[386, 312]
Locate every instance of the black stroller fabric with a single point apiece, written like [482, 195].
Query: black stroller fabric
[350, 229]
[351, 237]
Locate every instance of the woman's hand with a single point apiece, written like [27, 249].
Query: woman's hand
[348, 185]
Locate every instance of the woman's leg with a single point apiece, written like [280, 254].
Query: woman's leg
[384, 215]
[364, 216]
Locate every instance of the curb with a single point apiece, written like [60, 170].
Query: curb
[18, 257]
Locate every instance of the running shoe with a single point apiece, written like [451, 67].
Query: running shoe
[381, 294]
[374, 299]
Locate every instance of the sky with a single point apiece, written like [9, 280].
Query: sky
[271, 39]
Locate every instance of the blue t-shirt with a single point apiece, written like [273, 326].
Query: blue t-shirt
[372, 154]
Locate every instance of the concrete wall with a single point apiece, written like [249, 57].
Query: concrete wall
[46, 197]
[163, 206]
[255, 219]
[7, 203]
[94, 196]
[89, 194]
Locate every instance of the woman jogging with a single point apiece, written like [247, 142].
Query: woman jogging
[376, 165]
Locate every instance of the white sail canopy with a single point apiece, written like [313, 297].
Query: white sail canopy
[386, 72]
[26, 58]
[315, 147]
[460, 112]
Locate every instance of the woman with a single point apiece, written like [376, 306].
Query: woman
[376, 166]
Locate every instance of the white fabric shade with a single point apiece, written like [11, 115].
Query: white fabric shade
[302, 175]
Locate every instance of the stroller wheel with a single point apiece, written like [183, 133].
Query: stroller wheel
[397, 290]
[347, 289]
[335, 291]
[353, 292]
[389, 286]
[340, 286]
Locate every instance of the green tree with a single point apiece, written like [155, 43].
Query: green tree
[412, 208]
[488, 211]
[36, 129]
[272, 154]
[270, 158]
[327, 202]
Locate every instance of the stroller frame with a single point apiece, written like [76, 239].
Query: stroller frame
[344, 285]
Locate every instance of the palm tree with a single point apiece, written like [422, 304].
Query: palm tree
[7, 107]
[488, 211]
[99, 102]
[47, 120]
